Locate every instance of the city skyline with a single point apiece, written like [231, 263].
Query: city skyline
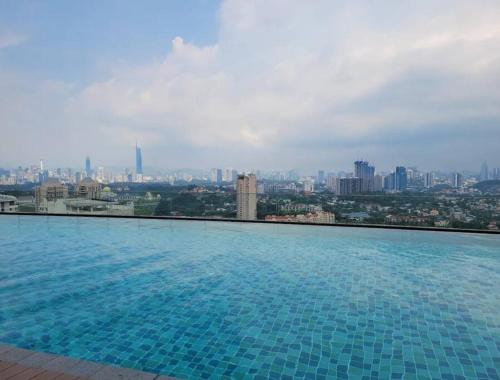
[260, 84]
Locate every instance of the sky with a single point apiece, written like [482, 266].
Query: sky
[250, 84]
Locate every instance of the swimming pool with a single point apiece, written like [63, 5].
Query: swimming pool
[228, 300]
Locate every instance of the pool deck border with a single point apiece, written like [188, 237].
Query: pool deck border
[21, 364]
[232, 220]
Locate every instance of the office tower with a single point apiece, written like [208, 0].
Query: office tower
[429, 180]
[363, 170]
[138, 160]
[389, 181]
[88, 169]
[400, 179]
[484, 175]
[348, 186]
[321, 176]
[246, 197]
[458, 180]
[378, 182]
[219, 176]
[41, 165]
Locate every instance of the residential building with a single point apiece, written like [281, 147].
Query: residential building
[88, 189]
[246, 197]
[348, 186]
[49, 191]
[363, 170]
[429, 180]
[378, 182]
[331, 182]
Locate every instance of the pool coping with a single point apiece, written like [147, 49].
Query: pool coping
[22, 364]
[260, 221]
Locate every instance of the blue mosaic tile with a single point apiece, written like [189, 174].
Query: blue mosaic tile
[206, 300]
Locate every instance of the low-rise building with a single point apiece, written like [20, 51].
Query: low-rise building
[312, 217]
[8, 203]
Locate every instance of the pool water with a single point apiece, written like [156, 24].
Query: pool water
[228, 300]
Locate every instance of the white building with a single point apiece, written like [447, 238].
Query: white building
[8, 203]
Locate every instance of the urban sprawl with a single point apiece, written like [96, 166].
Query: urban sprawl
[404, 196]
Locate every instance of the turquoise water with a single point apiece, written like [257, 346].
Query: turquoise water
[227, 300]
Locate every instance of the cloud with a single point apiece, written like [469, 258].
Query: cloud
[9, 39]
[286, 77]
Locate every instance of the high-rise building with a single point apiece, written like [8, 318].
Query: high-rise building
[348, 186]
[321, 177]
[484, 175]
[216, 175]
[246, 197]
[390, 181]
[138, 160]
[458, 180]
[331, 182]
[496, 173]
[378, 182]
[400, 178]
[363, 170]
[429, 180]
[88, 168]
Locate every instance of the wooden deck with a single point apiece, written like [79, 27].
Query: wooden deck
[21, 364]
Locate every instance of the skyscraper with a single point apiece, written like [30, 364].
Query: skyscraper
[484, 175]
[363, 170]
[246, 197]
[88, 169]
[458, 180]
[138, 159]
[400, 178]
[321, 176]
[429, 180]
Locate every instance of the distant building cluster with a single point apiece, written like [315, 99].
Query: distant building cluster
[322, 217]
[88, 197]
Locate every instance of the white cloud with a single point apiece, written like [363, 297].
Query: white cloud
[286, 77]
[9, 39]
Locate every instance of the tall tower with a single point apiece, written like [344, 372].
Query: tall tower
[400, 178]
[484, 175]
[88, 169]
[363, 170]
[138, 159]
[246, 197]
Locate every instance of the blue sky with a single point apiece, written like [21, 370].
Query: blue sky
[79, 40]
[268, 84]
